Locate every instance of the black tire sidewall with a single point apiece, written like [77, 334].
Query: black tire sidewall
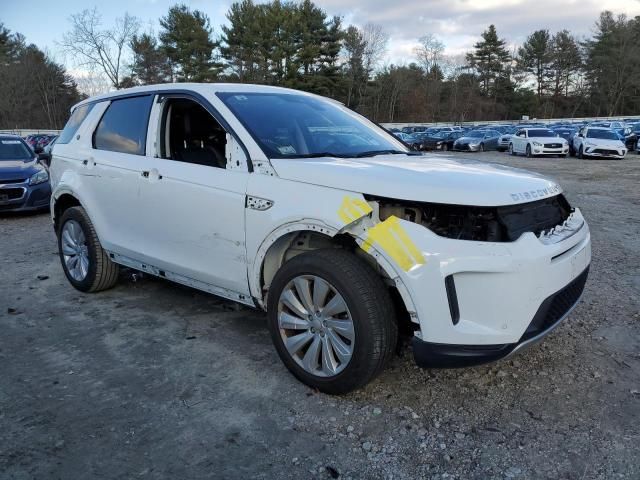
[75, 214]
[343, 381]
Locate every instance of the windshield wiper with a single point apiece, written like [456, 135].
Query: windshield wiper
[373, 153]
[316, 155]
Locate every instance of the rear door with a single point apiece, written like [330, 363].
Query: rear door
[113, 168]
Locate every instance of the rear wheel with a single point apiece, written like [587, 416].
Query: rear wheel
[86, 265]
[331, 320]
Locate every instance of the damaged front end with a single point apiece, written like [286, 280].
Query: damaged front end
[483, 224]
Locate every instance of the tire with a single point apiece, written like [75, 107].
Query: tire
[580, 153]
[564, 155]
[511, 150]
[368, 305]
[100, 273]
[529, 151]
[445, 147]
[482, 147]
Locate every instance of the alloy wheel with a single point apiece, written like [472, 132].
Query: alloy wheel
[74, 250]
[316, 326]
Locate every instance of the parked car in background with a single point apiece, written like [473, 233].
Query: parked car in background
[412, 140]
[505, 139]
[303, 208]
[45, 155]
[598, 142]
[538, 141]
[24, 181]
[442, 141]
[477, 141]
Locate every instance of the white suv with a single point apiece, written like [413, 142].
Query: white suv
[292, 203]
[598, 142]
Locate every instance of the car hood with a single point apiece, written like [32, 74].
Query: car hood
[604, 143]
[423, 178]
[16, 169]
[547, 139]
[469, 140]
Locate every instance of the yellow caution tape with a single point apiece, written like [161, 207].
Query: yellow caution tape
[395, 241]
[352, 209]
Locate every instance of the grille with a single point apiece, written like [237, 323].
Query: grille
[12, 193]
[603, 151]
[552, 145]
[461, 146]
[554, 308]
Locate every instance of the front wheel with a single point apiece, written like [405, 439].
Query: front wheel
[529, 151]
[511, 151]
[86, 265]
[331, 320]
[580, 152]
[482, 147]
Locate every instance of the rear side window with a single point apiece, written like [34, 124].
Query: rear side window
[123, 127]
[74, 122]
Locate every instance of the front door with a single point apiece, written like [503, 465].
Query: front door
[195, 202]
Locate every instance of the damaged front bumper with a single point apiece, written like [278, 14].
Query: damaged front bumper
[476, 301]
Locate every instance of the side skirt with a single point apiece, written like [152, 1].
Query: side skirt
[181, 279]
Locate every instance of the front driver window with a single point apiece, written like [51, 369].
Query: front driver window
[190, 134]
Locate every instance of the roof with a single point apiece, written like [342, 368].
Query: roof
[202, 88]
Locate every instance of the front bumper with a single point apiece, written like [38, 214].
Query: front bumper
[604, 153]
[550, 314]
[550, 151]
[22, 197]
[465, 147]
[498, 288]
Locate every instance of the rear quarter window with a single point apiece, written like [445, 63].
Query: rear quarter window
[74, 122]
[123, 127]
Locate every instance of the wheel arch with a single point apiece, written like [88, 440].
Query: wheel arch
[62, 201]
[289, 240]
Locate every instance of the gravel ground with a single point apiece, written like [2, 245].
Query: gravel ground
[154, 380]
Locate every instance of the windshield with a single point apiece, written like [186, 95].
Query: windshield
[13, 149]
[541, 133]
[604, 134]
[292, 126]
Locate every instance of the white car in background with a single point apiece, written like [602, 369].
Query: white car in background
[598, 142]
[289, 202]
[538, 141]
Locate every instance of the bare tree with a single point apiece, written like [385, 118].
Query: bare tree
[98, 48]
[429, 52]
[375, 40]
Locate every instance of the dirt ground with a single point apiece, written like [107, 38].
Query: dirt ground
[153, 380]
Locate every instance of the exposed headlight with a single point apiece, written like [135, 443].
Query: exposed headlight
[537, 144]
[39, 177]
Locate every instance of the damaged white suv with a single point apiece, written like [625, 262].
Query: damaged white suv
[292, 203]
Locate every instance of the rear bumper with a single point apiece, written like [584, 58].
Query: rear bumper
[553, 310]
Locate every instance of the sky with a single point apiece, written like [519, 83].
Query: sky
[457, 23]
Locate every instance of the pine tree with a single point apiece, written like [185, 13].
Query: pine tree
[150, 64]
[186, 40]
[490, 60]
[535, 57]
